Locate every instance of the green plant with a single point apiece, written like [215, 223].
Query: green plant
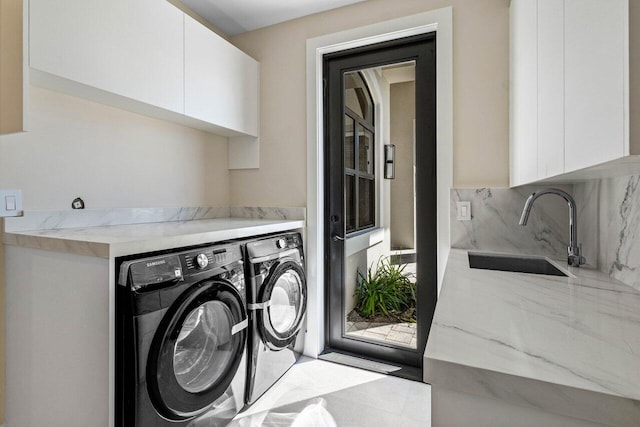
[387, 289]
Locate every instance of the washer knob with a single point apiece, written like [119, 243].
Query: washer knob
[202, 261]
[281, 243]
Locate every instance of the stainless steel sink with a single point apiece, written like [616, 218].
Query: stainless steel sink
[515, 263]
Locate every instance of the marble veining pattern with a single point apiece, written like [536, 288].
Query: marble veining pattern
[49, 220]
[613, 206]
[118, 240]
[267, 212]
[581, 333]
[494, 224]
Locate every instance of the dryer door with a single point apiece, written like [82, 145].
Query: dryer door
[283, 300]
[197, 349]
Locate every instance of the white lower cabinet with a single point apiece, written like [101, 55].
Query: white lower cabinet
[569, 86]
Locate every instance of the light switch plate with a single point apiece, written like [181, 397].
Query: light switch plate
[463, 210]
[11, 203]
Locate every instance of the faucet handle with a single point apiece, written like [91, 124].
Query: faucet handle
[581, 259]
[575, 258]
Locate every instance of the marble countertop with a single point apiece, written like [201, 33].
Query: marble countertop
[568, 345]
[118, 240]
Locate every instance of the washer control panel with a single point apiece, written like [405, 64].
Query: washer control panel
[211, 257]
[154, 271]
[274, 245]
[201, 261]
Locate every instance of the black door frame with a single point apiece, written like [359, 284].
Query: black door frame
[419, 48]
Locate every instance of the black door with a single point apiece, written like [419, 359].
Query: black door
[197, 349]
[283, 297]
[349, 169]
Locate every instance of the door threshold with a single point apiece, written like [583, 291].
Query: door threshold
[382, 367]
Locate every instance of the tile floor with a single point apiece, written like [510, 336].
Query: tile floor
[316, 393]
[404, 334]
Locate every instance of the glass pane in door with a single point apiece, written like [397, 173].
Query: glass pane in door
[380, 279]
[349, 143]
[366, 207]
[365, 150]
[350, 203]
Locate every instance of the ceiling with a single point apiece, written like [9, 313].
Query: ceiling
[400, 73]
[234, 17]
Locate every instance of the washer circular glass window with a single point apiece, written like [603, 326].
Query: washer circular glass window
[285, 304]
[204, 347]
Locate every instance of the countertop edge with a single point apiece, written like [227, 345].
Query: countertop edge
[529, 392]
[117, 249]
[514, 387]
[139, 247]
[56, 244]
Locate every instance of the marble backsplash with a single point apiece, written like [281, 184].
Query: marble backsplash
[609, 221]
[52, 220]
[494, 224]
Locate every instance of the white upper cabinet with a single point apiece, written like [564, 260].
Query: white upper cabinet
[596, 50]
[221, 82]
[132, 48]
[569, 86]
[523, 94]
[149, 57]
[550, 88]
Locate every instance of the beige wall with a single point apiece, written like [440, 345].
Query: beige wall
[481, 84]
[110, 158]
[402, 202]
[10, 66]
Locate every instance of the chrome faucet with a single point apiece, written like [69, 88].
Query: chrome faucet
[574, 256]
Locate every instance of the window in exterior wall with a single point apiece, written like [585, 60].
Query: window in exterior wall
[359, 154]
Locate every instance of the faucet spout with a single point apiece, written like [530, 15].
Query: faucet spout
[574, 256]
[524, 218]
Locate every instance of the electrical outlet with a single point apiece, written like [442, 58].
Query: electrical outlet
[10, 203]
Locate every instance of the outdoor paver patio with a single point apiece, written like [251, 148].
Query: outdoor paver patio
[404, 334]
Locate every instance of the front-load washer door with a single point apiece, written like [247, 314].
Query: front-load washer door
[282, 302]
[196, 350]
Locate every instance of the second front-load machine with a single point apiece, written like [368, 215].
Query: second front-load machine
[181, 333]
[277, 300]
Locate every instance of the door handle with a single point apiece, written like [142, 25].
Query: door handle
[337, 238]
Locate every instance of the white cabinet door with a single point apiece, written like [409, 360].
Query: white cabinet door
[221, 81]
[569, 86]
[524, 92]
[550, 88]
[595, 55]
[133, 48]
